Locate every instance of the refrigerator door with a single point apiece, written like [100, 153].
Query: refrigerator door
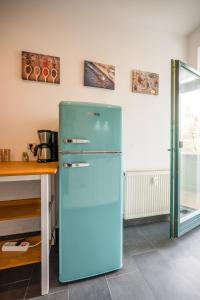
[87, 126]
[90, 219]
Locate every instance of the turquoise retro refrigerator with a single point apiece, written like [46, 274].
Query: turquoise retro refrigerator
[90, 195]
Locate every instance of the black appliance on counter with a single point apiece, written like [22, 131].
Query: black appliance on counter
[47, 150]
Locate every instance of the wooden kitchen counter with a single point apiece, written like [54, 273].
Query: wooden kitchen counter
[16, 168]
[29, 208]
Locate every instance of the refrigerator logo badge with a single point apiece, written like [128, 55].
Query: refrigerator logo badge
[96, 114]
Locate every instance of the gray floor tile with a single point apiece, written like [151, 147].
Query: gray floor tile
[150, 261]
[131, 286]
[135, 242]
[131, 235]
[172, 250]
[129, 265]
[62, 295]
[54, 283]
[15, 291]
[169, 285]
[157, 233]
[191, 242]
[15, 274]
[91, 289]
[159, 229]
[184, 272]
[34, 289]
[155, 267]
[188, 268]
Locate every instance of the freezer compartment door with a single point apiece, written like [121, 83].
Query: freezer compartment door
[90, 207]
[89, 127]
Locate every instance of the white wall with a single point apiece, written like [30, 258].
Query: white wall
[75, 31]
[193, 45]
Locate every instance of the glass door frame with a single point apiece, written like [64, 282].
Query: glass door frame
[177, 228]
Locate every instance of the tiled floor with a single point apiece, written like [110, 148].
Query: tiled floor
[155, 268]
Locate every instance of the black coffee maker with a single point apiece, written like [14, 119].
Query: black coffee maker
[47, 150]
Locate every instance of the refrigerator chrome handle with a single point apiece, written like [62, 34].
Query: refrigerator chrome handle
[75, 141]
[75, 165]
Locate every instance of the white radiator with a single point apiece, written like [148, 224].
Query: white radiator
[146, 193]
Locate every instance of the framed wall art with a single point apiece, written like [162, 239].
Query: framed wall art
[99, 75]
[145, 82]
[40, 67]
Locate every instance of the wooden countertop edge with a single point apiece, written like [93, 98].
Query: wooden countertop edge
[17, 168]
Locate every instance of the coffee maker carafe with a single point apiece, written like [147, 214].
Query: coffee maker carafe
[47, 150]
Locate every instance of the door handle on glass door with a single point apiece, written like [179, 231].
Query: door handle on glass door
[75, 141]
[180, 144]
[75, 165]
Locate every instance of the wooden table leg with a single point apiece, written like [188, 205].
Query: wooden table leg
[45, 199]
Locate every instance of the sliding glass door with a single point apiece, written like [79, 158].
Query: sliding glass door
[185, 149]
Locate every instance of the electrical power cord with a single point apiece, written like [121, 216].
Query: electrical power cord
[32, 246]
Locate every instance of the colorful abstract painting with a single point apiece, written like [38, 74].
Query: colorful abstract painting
[99, 75]
[40, 67]
[145, 82]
